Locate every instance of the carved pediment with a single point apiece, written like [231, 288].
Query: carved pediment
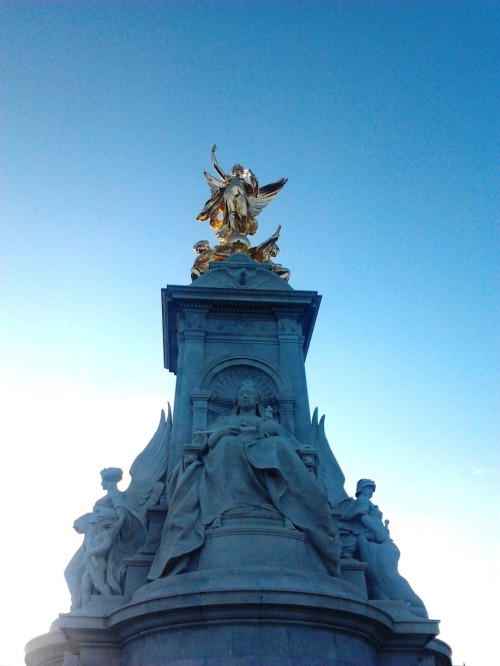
[241, 272]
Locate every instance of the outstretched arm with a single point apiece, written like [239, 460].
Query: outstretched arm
[216, 165]
[220, 433]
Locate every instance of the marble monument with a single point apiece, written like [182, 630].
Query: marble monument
[236, 542]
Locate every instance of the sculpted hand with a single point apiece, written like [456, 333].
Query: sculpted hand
[230, 430]
[268, 429]
[381, 535]
[222, 432]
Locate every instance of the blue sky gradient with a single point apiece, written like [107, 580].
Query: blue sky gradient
[384, 118]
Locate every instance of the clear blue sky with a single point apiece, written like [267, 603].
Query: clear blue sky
[384, 118]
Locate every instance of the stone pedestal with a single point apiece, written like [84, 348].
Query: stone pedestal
[243, 616]
[256, 593]
[237, 321]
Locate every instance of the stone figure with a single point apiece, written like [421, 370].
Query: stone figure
[366, 536]
[117, 526]
[236, 200]
[76, 567]
[114, 530]
[98, 544]
[250, 460]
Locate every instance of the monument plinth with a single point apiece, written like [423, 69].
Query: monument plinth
[239, 320]
[236, 542]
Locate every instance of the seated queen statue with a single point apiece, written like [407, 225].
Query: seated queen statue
[250, 462]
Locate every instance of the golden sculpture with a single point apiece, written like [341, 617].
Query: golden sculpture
[262, 253]
[205, 254]
[236, 201]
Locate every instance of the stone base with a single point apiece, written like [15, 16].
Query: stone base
[234, 544]
[353, 571]
[240, 618]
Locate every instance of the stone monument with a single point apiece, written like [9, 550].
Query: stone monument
[236, 542]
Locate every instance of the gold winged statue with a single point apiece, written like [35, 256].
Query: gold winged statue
[236, 200]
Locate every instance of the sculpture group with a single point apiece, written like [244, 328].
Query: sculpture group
[116, 528]
[236, 201]
[246, 463]
[249, 462]
[235, 541]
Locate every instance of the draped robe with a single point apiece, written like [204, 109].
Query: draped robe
[260, 468]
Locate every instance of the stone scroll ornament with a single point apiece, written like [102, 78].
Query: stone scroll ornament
[116, 528]
[236, 201]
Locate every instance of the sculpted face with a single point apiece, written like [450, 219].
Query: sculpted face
[247, 396]
[110, 476]
[309, 462]
[107, 483]
[238, 171]
[367, 491]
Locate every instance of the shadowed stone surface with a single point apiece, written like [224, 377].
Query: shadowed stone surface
[254, 552]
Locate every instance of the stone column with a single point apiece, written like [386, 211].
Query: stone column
[291, 344]
[190, 364]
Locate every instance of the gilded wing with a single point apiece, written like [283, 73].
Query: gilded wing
[214, 184]
[263, 252]
[330, 475]
[213, 209]
[148, 469]
[265, 195]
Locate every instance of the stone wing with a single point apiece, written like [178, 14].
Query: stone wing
[148, 469]
[330, 475]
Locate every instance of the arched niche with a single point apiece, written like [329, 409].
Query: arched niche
[220, 381]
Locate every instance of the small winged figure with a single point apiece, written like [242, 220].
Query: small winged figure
[266, 250]
[265, 253]
[117, 526]
[236, 200]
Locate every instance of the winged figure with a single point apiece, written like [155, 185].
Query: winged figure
[266, 250]
[117, 526]
[236, 200]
